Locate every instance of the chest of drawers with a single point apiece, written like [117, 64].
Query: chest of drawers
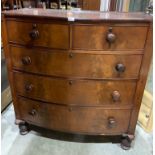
[78, 72]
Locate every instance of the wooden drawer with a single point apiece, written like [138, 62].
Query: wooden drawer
[145, 113]
[79, 92]
[89, 120]
[46, 35]
[94, 37]
[145, 118]
[67, 64]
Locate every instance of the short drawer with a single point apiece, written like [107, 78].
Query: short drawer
[75, 92]
[104, 37]
[37, 34]
[88, 120]
[144, 115]
[84, 65]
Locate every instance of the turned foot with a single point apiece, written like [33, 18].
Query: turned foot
[126, 142]
[23, 128]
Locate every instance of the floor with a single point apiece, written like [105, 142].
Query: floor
[35, 144]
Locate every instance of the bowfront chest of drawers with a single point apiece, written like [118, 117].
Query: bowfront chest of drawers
[78, 72]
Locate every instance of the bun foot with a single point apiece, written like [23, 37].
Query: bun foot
[126, 143]
[23, 128]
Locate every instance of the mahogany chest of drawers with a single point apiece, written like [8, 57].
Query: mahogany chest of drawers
[78, 72]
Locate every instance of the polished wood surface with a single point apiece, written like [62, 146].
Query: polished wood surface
[9, 65]
[147, 58]
[88, 65]
[80, 15]
[71, 91]
[94, 37]
[49, 35]
[74, 119]
[83, 76]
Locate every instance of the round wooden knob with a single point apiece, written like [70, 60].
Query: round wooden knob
[34, 34]
[26, 60]
[70, 108]
[34, 26]
[33, 112]
[71, 55]
[120, 68]
[70, 82]
[29, 87]
[111, 122]
[111, 37]
[116, 96]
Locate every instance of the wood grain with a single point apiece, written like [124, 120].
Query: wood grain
[74, 119]
[145, 118]
[94, 37]
[9, 65]
[66, 74]
[79, 92]
[80, 16]
[82, 65]
[50, 35]
[142, 81]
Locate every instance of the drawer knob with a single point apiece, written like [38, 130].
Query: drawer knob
[70, 82]
[116, 96]
[26, 60]
[71, 55]
[120, 68]
[111, 122]
[111, 37]
[29, 87]
[70, 108]
[33, 112]
[34, 34]
[147, 116]
[34, 26]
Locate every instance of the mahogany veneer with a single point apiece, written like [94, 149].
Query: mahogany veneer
[50, 35]
[88, 65]
[79, 72]
[75, 119]
[73, 91]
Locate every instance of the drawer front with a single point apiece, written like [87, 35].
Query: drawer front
[144, 115]
[75, 119]
[79, 92]
[119, 37]
[46, 35]
[83, 65]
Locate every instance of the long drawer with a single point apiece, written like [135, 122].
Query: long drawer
[68, 64]
[71, 91]
[80, 120]
[37, 34]
[108, 37]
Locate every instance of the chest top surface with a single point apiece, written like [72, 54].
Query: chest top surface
[79, 15]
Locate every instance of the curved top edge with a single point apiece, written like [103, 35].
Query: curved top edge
[72, 15]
